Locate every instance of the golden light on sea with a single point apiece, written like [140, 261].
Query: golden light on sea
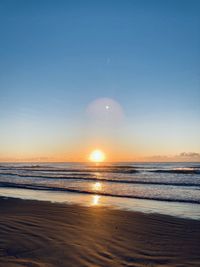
[97, 156]
[95, 200]
[97, 186]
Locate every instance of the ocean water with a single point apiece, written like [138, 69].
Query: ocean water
[168, 188]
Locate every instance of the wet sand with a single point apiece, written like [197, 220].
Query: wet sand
[34, 233]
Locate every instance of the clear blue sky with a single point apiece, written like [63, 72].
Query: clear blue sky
[56, 57]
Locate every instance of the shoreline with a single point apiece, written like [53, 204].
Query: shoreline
[41, 233]
[176, 209]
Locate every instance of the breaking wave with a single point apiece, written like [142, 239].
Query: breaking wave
[46, 188]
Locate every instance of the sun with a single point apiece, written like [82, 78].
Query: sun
[97, 156]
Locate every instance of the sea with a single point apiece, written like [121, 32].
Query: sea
[164, 188]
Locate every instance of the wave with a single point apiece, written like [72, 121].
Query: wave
[44, 176]
[123, 169]
[46, 188]
[100, 169]
[179, 171]
[195, 166]
[96, 179]
[24, 166]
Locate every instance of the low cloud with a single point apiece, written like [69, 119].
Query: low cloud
[189, 155]
[183, 156]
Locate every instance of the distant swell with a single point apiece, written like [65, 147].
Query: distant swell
[192, 171]
[95, 179]
[46, 188]
[100, 169]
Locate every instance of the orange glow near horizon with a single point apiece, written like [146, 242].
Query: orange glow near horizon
[85, 152]
[97, 156]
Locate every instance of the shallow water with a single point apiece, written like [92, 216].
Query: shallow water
[169, 188]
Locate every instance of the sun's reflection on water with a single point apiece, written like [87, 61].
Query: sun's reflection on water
[97, 186]
[95, 200]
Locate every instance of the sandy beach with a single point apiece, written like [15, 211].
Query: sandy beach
[34, 233]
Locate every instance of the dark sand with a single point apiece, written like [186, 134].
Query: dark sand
[34, 233]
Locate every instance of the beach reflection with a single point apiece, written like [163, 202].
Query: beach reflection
[182, 210]
[95, 200]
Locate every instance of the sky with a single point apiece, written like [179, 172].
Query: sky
[121, 76]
